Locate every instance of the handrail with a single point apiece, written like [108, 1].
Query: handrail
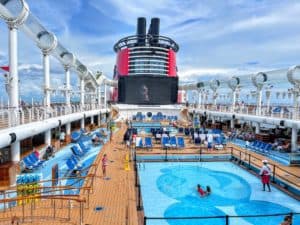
[275, 168]
[226, 217]
[28, 114]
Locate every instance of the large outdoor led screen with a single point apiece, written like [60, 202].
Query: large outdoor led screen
[155, 90]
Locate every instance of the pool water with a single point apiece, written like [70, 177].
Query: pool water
[169, 190]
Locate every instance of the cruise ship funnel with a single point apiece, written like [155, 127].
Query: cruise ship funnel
[141, 31]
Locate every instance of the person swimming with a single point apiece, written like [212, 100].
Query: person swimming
[202, 192]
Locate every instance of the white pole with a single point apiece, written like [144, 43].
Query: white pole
[233, 100]
[99, 97]
[46, 64]
[258, 102]
[199, 98]
[13, 71]
[82, 92]
[67, 91]
[105, 96]
[14, 88]
[295, 104]
[294, 139]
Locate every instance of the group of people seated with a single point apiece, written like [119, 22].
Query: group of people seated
[240, 134]
[97, 140]
[281, 146]
[49, 152]
[202, 192]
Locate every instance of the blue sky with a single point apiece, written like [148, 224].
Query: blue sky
[216, 37]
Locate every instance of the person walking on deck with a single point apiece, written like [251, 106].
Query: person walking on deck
[104, 165]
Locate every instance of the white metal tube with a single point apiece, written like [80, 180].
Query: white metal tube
[82, 123]
[257, 128]
[232, 123]
[13, 83]
[68, 128]
[13, 69]
[294, 139]
[99, 120]
[48, 137]
[15, 151]
[295, 104]
[67, 91]
[46, 64]
[82, 92]
[25, 131]
[105, 96]
[233, 101]
[258, 102]
[92, 120]
[13, 79]
[199, 98]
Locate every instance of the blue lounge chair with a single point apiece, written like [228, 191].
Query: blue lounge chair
[173, 142]
[72, 166]
[267, 149]
[148, 142]
[77, 151]
[186, 131]
[165, 142]
[139, 142]
[83, 147]
[28, 164]
[35, 160]
[180, 142]
[75, 136]
[197, 141]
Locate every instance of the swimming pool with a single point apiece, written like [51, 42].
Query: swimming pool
[169, 190]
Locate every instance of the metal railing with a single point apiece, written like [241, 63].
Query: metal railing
[284, 112]
[225, 219]
[10, 117]
[49, 202]
[43, 207]
[280, 175]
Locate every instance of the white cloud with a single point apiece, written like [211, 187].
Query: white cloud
[170, 11]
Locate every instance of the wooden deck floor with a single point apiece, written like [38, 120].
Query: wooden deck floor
[117, 195]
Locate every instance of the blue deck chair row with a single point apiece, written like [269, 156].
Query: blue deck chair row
[32, 161]
[172, 142]
[72, 164]
[80, 149]
[260, 147]
[147, 143]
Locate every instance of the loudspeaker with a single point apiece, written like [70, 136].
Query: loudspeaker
[281, 123]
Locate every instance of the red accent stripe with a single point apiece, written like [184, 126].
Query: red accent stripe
[172, 64]
[122, 62]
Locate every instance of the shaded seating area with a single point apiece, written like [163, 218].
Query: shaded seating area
[264, 149]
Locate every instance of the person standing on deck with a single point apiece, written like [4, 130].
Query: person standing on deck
[111, 131]
[265, 173]
[104, 165]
